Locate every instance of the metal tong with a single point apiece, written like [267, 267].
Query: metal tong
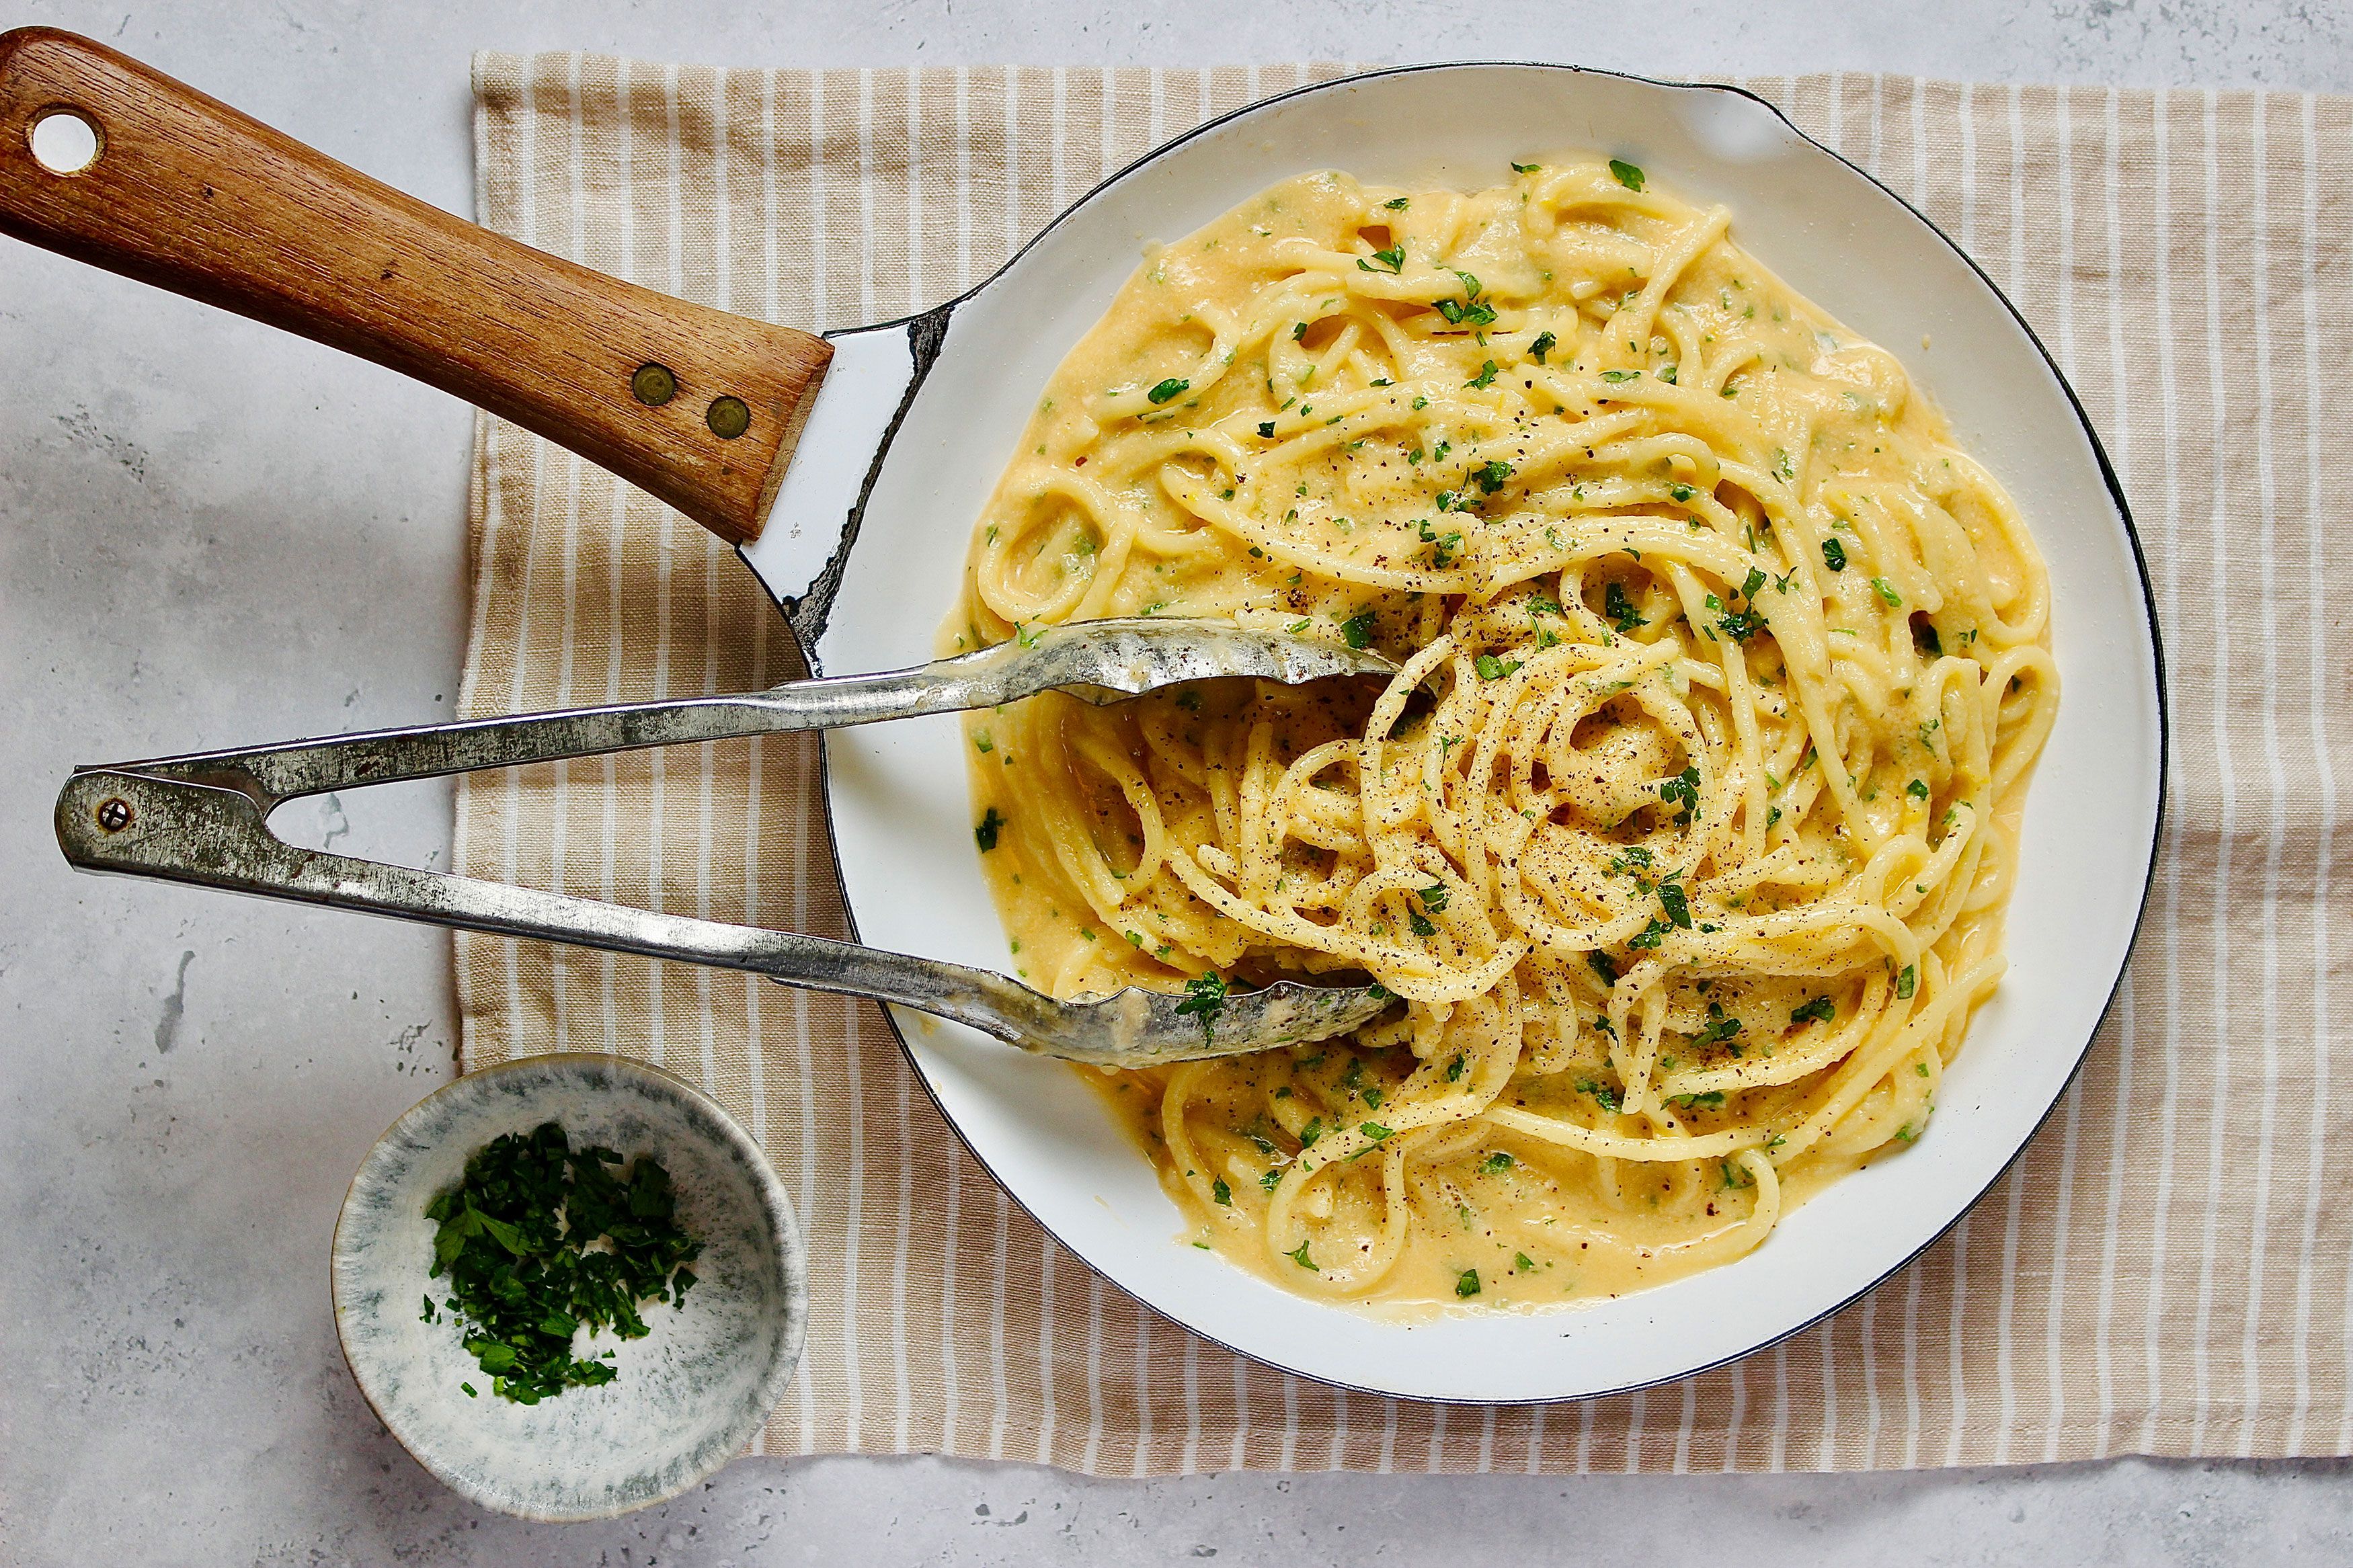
[203, 819]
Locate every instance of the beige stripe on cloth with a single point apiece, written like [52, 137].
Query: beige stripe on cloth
[2170, 1268]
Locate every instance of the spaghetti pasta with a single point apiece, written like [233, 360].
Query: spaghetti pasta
[1685, 829]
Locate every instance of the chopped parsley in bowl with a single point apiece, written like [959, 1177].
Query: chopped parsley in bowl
[570, 1285]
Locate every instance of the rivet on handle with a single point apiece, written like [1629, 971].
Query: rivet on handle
[729, 418]
[653, 384]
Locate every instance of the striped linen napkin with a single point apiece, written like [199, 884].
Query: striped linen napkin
[2168, 1270]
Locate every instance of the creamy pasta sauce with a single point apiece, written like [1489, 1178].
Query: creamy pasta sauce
[1685, 831]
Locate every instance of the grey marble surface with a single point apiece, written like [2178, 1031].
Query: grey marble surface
[210, 534]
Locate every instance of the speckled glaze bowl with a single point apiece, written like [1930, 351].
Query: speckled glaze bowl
[689, 1396]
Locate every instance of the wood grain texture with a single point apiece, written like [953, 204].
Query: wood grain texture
[193, 197]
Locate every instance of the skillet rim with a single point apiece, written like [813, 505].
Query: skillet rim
[927, 330]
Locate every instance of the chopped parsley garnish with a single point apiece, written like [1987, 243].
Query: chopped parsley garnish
[1486, 376]
[1603, 965]
[1525, 168]
[1467, 1285]
[1834, 554]
[1396, 204]
[1711, 1101]
[1621, 375]
[1222, 1193]
[1468, 310]
[1720, 1027]
[1454, 1069]
[1682, 790]
[1389, 260]
[1358, 629]
[539, 1240]
[1603, 1094]
[1266, 430]
[1918, 789]
[1372, 1129]
[1442, 554]
[1671, 899]
[1171, 388]
[1489, 668]
[1907, 982]
[1741, 625]
[1495, 1162]
[1419, 926]
[1886, 591]
[1821, 1009]
[1433, 897]
[1542, 345]
[985, 832]
[1269, 1179]
[1620, 609]
[1490, 476]
[1299, 1255]
[1205, 998]
[1626, 174]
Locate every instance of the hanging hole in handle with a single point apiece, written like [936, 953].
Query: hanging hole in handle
[63, 142]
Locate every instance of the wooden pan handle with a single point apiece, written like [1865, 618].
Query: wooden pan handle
[698, 407]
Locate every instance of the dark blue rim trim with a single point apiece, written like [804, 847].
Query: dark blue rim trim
[2107, 477]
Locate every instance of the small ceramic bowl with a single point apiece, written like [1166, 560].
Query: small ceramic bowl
[689, 1396]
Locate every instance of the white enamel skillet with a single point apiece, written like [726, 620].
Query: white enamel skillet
[850, 488]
